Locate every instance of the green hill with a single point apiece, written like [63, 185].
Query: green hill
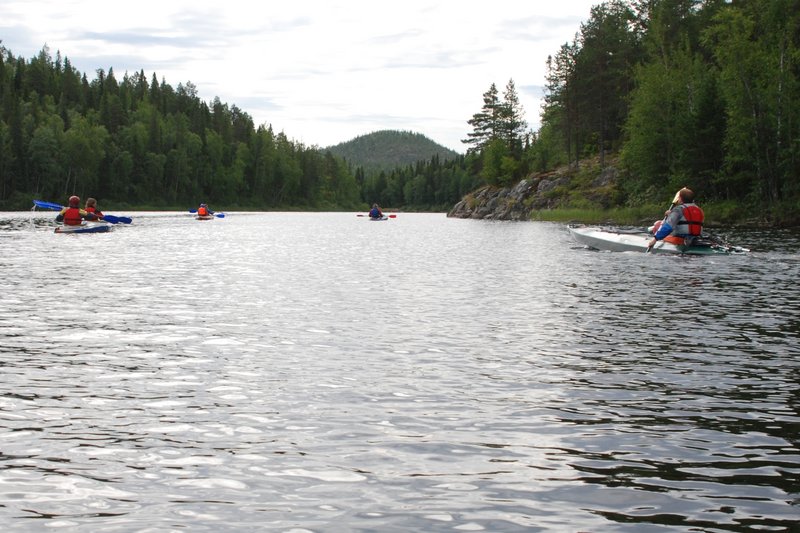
[387, 150]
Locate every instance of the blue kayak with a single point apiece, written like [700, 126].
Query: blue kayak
[87, 227]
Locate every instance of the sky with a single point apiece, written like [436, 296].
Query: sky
[322, 72]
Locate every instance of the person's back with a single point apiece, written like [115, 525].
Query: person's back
[91, 207]
[689, 222]
[683, 222]
[375, 212]
[73, 215]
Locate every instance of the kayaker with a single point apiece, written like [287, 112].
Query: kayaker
[683, 221]
[375, 212]
[204, 211]
[91, 207]
[73, 215]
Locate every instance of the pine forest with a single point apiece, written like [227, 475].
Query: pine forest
[704, 93]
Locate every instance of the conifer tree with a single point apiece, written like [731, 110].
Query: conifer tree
[512, 120]
[486, 123]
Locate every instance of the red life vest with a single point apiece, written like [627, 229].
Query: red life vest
[693, 218]
[202, 211]
[72, 216]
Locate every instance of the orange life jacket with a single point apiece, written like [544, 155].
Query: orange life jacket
[202, 211]
[674, 239]
[691, 222]
[72, 216]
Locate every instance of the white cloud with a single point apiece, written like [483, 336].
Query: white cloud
[322, 72]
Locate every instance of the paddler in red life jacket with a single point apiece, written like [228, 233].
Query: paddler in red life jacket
[204, 211]
[73, 215]
[683, 222]
[91, 207]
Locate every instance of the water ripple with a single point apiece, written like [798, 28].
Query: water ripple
[314, 372]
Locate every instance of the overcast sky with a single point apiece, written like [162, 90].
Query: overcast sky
[323, 72]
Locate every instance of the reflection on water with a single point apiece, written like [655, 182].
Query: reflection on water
[318, 372]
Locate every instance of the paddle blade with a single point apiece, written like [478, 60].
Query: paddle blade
[47, 205]
[117, 220]
[219, 215]
[392, 216]
[193, 210]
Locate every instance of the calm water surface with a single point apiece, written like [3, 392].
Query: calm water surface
[321, 372]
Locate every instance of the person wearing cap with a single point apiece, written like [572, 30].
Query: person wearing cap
[683, 221]
[73, 215]
[375, 212]
[203, 211]
[91, 207]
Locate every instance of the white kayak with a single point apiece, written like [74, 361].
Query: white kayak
[611, 240]
[86, 227]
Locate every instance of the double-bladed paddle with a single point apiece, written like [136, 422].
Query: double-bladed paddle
[218, 215]
[107, 218]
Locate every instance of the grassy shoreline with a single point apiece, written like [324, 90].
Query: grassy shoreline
[718, 214]
[643, 215]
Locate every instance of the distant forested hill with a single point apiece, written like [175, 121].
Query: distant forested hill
[387, 150]
[406, 169]
[137, 141]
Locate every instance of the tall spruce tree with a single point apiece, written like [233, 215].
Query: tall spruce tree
[512, 120]
[486, 123]
[560, 108]
[498, 120]
[610, 48]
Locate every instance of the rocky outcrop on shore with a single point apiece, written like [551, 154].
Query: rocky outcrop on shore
[542, 191]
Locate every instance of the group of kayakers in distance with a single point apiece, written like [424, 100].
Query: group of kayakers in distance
[73, 215]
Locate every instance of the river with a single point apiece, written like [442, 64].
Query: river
[315, 372]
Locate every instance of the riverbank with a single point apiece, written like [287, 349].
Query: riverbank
[718, 214]
[593, 196]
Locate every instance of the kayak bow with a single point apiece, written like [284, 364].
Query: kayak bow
[88, 227]
[610, 240]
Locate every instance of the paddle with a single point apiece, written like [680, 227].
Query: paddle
[652, 244]
[390, 216]
[218, 215]
[107, 218]
[47, 205]
[116, 220]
